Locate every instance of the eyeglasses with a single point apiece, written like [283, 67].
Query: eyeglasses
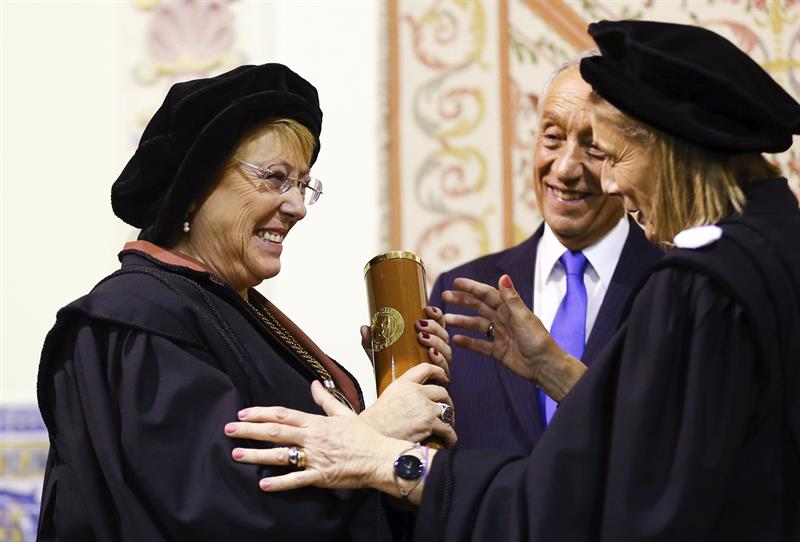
[276, 178]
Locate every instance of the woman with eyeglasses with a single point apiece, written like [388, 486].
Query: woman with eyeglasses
[138, 378]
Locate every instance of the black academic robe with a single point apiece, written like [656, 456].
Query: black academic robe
[136, 383]
[685, 428]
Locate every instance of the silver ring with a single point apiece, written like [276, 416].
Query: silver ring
[490, 331]
[448, 414]
[297, 457]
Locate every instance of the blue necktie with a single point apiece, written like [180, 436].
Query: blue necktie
[569, 325]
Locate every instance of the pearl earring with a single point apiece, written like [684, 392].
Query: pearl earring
[186, 226]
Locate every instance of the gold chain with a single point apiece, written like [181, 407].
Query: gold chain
[277, 328]
[272, 323]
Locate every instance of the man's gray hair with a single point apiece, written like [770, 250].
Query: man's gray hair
[571, 63]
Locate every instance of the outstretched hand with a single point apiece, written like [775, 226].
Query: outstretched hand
[518, 339]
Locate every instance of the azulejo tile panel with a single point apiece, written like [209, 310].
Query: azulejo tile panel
[23, 456]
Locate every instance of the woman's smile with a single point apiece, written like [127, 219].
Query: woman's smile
[266, 235]
[271, 240]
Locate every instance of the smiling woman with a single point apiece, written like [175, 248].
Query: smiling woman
[239, 228]
[138, 377]
[670, 184]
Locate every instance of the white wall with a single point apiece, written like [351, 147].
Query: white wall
[336, 46]
[65, 113]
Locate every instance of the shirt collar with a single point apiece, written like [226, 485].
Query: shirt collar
[602, 256]
[549, 251]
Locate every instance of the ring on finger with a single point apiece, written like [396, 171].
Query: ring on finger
[447, 413]
[490, 331]
[297, 457]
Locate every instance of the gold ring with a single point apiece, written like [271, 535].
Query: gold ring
[302, 459]
[297, 457]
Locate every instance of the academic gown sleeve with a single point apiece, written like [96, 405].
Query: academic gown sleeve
[641, 449]
[140, 423]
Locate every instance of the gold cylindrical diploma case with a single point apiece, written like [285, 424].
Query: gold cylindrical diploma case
[397, 298]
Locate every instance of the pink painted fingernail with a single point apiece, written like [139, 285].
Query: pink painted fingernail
[426, 336]
[264, 484]
[243, 413]
[230, 428]
[505, 280]
[237, 453]
[423, 323]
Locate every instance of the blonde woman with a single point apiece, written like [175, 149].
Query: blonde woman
[139, 376]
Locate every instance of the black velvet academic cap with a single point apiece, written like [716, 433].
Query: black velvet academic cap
[691, 83]
[194, 130]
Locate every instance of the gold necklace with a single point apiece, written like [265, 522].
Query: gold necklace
[277, 329]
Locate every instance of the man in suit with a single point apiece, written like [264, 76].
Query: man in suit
[496, 409]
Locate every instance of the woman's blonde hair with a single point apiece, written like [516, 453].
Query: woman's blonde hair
[293, 137]
[694, 186]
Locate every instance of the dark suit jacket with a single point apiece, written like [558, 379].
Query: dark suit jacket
[495, 408]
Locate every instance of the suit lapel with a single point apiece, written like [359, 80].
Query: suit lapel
[636, 256]
[519, 264]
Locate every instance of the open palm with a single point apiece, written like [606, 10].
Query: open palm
[520, 341]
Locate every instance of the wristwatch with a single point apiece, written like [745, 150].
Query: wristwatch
[410, 468]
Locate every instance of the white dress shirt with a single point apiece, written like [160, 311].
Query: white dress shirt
[550, 280]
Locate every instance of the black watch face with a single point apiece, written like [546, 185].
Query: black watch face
[408, 467]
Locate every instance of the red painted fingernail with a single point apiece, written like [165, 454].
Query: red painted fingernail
[243, 414]
[506, 281]
[264, 484]
[426, 336]
[230, 428]
[423, 323]
[237, 453]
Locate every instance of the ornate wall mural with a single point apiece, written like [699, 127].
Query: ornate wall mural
[186, 39]
[180, 40]
[447, 141]
[465, 78]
